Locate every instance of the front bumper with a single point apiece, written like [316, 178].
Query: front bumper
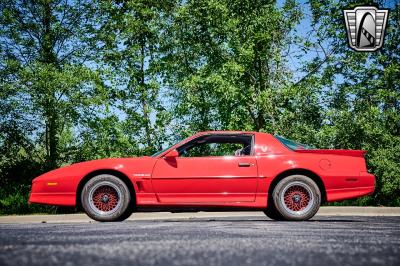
[51, 193]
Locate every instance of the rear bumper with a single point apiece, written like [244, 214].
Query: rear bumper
[357, 187]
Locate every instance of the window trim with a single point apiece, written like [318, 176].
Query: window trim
[220, 134]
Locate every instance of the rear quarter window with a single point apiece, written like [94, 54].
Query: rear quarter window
[293, 145]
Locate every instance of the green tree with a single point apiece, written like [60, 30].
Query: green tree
[44, 48]
[46, 84]
[129, 34]
[227, 66]
[83, 80]
[361, 95]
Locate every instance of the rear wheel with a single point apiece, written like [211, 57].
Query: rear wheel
[296, 198]
[106, 198]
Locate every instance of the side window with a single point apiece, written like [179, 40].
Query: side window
[217, 145]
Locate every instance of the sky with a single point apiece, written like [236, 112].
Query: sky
[304, 29]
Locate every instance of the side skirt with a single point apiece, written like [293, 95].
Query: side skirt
[175, 209]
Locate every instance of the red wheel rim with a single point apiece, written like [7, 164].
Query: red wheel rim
[105, 198]
[296, 198]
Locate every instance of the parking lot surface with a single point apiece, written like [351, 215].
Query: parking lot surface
[324, 240]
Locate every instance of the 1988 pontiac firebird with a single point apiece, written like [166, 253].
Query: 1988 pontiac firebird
[217, 170]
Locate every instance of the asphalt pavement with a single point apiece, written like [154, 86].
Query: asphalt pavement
[247, 240]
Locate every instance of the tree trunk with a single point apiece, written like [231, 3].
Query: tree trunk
[145, 107]
[48, 57]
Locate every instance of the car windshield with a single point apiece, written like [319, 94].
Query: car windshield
[292, 144]
[161, 151]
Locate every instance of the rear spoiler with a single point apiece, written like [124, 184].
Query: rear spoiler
[354, 153]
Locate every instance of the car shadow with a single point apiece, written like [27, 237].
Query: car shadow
[242, 220]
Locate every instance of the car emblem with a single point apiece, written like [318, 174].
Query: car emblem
[365, 27]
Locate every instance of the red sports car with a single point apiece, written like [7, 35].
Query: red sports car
[217, 170]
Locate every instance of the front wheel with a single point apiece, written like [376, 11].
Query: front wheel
[297, 198]
[106, 198]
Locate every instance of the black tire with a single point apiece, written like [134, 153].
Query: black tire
[106, 198]
[296, 198]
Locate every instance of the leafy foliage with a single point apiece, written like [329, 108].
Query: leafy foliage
[363, 100]
[82, 80]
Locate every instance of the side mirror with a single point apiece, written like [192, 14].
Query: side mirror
[172, 154]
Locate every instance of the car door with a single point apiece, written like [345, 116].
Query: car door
[210, 179]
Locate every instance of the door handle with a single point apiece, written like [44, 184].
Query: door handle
[244, 164]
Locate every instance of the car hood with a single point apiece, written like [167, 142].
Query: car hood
[127, 166]
[113, 161]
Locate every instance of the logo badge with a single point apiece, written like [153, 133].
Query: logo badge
[365, 27]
